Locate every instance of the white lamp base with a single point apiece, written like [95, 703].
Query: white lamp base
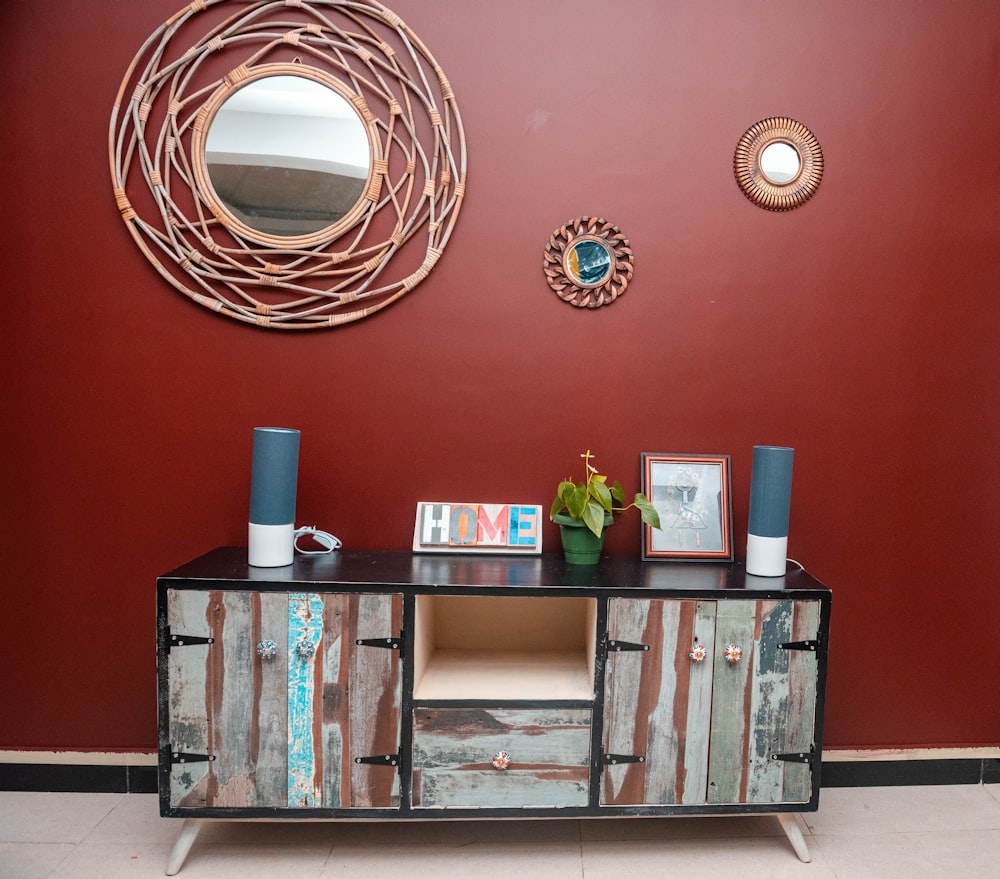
[765, 555]
[271, 546]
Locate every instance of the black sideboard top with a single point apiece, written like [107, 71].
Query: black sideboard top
[449, 572]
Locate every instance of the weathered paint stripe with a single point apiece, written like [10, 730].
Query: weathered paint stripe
[305, 627]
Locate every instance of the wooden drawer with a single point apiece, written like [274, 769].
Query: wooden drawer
[453, 749]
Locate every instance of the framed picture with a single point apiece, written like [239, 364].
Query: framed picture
[692, 494]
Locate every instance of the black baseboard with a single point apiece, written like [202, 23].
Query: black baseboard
[73, 778]
[890, 773]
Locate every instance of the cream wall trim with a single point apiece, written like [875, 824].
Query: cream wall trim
[881, 754]
[79, 758]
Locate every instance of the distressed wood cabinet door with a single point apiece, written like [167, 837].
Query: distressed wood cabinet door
[282, 731]
[710, 731]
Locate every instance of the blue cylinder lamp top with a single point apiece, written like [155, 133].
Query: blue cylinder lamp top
[770, 491]
[274, 475]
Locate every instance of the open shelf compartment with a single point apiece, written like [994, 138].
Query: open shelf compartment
[504, 647]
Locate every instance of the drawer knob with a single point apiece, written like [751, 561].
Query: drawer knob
[305, 649]
[267, 649]
[733, 653]
[501, 760]
[698, 653]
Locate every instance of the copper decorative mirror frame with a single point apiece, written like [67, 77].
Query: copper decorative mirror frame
[588, 262]
[778, 192]
[382, 246]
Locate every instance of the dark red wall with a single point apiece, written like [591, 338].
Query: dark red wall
[860, 329]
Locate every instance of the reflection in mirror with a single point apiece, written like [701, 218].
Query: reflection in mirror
[287, 155]
[779, 162]
[588, 262]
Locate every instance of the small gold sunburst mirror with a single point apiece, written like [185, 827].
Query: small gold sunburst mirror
[778, 164]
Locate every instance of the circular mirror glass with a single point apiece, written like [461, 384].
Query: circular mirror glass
[588, 262]
[287, 155]
[780, 162]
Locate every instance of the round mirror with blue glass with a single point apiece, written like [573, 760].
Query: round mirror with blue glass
[588, 262]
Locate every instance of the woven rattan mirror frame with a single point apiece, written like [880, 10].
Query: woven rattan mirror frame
[380, 251]
[562, 281]
[760, 189]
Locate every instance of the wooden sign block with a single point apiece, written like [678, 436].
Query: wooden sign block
[478, 528]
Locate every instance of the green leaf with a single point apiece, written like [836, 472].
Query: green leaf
[593, 517]
[562, 493]
[602, 495]
[647, 511]
[618, 493]
[576, 501]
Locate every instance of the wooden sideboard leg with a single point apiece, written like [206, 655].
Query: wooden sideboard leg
[189, 832]
[790, 825]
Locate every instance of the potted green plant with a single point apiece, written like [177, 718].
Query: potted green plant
[584, 510]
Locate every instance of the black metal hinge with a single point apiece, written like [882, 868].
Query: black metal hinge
[396, 643]
[182, 757]
[795, 756]
[624, 647]
[379, 760]
[800, 645]
[615, 759]
[185, 640]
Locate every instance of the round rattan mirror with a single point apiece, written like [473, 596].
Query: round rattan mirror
[778, 164]
[338, 234]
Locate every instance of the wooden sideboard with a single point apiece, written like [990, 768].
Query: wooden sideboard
[417, 687]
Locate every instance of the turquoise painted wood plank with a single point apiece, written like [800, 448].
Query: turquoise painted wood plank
[305, 629]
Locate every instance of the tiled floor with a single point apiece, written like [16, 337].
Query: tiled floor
[858, 833]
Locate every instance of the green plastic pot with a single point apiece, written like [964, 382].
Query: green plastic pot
[580, 545]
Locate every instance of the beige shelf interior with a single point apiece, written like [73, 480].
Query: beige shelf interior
[504, 647]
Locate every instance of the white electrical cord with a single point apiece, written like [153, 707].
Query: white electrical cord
[323, 538]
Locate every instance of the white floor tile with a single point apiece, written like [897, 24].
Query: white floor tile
[26, 816]
[971, 854]
[922, 809]
[32, 860]
[767, 858]
[716, 827]
[500, 859]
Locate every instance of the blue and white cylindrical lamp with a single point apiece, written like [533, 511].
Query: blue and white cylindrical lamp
[273, 483]
[770, 503]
